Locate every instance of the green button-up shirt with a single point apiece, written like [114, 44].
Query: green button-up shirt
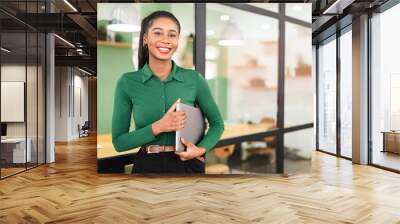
[147, 98]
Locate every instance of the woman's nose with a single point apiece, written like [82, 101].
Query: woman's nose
[165, 40]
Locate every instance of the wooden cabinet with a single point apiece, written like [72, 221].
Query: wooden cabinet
[391, 141]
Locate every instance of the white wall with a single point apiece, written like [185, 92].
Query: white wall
[70, 83]
[80, 83]
[17, 73]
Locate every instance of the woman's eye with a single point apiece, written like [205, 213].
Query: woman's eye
[172, 35]
[157, 33]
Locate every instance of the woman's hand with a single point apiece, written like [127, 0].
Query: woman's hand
[171, 121]
[192, 151]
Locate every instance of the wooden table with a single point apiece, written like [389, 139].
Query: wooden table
[105, 148]
[14, 152]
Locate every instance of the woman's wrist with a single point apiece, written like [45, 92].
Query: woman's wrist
[155, 128]
[200, 151]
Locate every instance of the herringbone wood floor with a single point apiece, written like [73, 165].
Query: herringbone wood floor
[70, 191]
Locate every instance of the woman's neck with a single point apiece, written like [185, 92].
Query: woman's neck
[161, 69]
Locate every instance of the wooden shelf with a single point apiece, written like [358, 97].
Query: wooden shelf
[114, 44]
[249, 66]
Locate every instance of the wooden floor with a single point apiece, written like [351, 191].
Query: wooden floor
[10, 171]
[387, 159]
[70, 191]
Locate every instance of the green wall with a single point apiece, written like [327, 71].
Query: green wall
[112, 62]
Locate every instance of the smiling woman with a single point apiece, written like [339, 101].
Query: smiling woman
[151, 95]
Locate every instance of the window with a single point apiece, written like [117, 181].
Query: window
[327, 96]
[385, 86]
[346, 94]
[301, 11]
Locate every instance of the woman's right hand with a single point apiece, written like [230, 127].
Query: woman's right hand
[171, 121]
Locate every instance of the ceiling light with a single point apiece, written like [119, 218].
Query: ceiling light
[224, 18]
[70, 5]
[124, 19]
[297, 8]
[65, 41]
[123, 28]
[210, 32]
[5, 50]
[230, 42]
[231, 35]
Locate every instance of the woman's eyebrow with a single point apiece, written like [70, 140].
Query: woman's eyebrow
[158, 28]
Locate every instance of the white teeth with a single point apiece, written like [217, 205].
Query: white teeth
[163, 49]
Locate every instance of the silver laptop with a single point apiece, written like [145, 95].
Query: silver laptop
[194, 126]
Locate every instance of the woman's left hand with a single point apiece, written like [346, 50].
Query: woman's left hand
[192, 151]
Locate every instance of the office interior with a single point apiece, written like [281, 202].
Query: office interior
[48, 93]
[50, 81]
[334, 120]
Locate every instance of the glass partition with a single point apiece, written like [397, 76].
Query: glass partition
[243, 75]
[298, 80]
[298, 151]
[22, 91]
[14, 153]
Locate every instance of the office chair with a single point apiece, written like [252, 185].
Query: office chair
[84, 130]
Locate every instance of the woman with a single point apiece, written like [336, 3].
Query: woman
[150, 96]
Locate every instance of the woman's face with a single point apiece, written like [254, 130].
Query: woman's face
[162, 38]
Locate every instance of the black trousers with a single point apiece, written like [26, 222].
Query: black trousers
[165, 162]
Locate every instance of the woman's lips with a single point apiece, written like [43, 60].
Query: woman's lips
[164, 50]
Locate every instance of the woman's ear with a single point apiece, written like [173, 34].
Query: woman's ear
[144, 39]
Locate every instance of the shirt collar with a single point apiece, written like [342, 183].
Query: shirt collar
[175, 74]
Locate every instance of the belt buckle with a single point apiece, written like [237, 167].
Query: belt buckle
[151, 146]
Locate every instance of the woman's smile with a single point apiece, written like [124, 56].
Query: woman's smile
[164, 50]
